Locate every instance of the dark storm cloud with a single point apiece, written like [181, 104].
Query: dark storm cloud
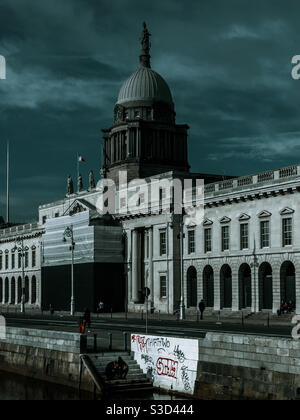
[228, 64]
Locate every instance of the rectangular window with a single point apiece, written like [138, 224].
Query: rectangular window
[13, 259]
[6, 261]
[33, 258]
[207, 240]
[26, 259]
[163, 287]
[44, 219]
[163, 243]
[191, 242]
[56, 215]
[225, 238]
[19, 260]
[287, 232]
[265, 234]
[244, 236]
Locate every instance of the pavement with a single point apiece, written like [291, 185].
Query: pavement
[115, 325]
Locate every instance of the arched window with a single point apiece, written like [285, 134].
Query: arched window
[245, 287]
[33, 290]
[19, 290]
[192, 288]
[208, 286]
[13, 291]
[26, 289]
[6, 291]
[33, 256]
[1, 290]
[265, 286]
[226, 287]
[288, 282]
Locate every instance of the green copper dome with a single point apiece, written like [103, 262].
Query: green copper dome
[145, 85]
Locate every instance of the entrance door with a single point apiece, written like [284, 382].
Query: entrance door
[267, 292]
[247, 298]
[227, 292]
[208, 287]
[290, 288]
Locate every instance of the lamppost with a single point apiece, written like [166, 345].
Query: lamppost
[20, 246]
[255, 265]
[181, 237]
[69, 234]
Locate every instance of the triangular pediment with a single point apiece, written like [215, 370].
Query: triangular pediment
[243, 217]
[78, 206]
[225, 219]
[207, 222]
[287, 211]
[265, 213]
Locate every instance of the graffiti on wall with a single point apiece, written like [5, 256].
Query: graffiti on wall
[169, 362]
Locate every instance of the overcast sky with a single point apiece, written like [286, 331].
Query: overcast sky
[228, 64]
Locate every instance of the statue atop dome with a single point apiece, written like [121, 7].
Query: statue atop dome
[146, 45]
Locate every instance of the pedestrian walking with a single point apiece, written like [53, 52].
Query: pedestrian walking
[87, 318]
[202, 308]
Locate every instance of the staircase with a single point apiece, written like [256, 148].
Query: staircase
[136, 379]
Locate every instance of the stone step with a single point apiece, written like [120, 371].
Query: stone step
[110, 359]
[137, 371]
[130, 378]
[140, 387]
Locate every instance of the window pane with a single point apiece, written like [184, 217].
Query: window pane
[225, 238]
[265, 234]
[33, 258]
[244, 236]
[191, 242]
[163, 243]
[287, 228]
[163, 287]
[207, 240]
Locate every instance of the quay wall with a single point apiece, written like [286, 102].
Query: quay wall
[44, 355]
[222, 366]
[248, 367]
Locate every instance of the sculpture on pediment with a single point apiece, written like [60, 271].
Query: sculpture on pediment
[70, 186]
[76, 209]
[80, 183]
[92, 180]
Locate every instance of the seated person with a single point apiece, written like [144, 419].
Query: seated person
[285, 308]
[123, 368]
[111, 370]
[281, 310]
[291, 306]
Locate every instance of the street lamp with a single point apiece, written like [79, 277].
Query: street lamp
[20, 246]
[69, 234]
[181, 237]
[255, 265]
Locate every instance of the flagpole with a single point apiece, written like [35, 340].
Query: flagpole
[7, 183]
[77, 168]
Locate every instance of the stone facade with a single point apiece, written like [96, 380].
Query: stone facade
[11, 265]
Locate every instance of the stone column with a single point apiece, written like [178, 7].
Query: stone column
[9, 292]
[135, 268]
[217, 289]
[112, 151]
[151, 280]
[255, 287]
[276, 288]
[138, 145]
[235, 290]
